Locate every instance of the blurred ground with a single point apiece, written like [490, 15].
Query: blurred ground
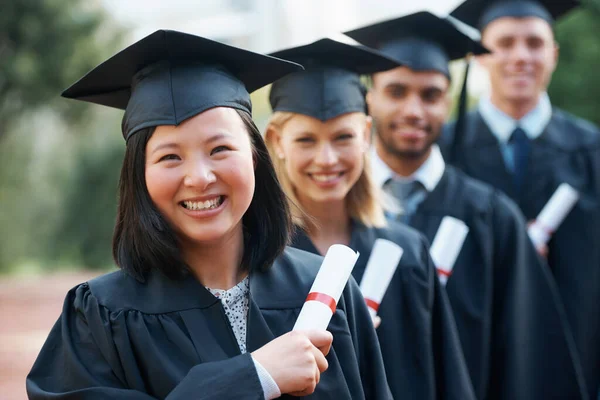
[29, 307]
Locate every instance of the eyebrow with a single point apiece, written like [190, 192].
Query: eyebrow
[429, 87]
[163, 146]
[506, 36]
[173, 145]
[344, 129]
[432, 87]
[305, 133]
[394, 85]
[216, 137]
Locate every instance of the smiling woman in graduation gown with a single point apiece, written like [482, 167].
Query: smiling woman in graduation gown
[318, 138]
[170, 339]
[197, 188]
[565, 149]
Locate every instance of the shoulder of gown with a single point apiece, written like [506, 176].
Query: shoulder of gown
[473, 193]
[92, 353]
[291, 274]
[571, 133]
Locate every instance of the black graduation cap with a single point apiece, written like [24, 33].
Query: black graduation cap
[169, 76]
[422, 41]
[479, 13]
[330, 86]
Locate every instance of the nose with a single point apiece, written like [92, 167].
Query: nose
[520, 52]
[413, 107]
[326, 156]
[199, 174]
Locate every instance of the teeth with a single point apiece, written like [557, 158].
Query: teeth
[325, 177]
[202, 205]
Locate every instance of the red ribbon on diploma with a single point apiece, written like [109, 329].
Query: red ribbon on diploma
[322, 298]
[372, 304]
[444, 272]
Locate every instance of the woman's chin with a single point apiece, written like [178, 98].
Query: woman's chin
[330, 197]
[209, 234]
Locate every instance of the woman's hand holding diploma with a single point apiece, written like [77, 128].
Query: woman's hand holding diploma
[296, 360]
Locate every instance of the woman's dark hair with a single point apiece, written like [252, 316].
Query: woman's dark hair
[143, 240]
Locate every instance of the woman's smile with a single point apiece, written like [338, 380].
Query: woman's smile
[204, 208]
[326, 180]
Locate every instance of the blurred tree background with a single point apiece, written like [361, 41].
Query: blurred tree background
[58, 165]
[575, 85]
[60, 159]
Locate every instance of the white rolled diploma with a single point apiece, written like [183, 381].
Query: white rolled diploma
[379, 272]
[327, 288]
[553, 214]
[447, 243]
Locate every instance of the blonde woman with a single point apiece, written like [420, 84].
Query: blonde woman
[318, 138]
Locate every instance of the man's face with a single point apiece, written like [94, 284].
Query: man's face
[523, 59]
[409, 109]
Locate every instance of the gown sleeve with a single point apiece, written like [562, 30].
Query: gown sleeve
[79, 361]
[368, 351]
[532, 346]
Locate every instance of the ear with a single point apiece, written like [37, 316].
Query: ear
[483, 60]
[448, 103]
[369, 97]
[273, 139]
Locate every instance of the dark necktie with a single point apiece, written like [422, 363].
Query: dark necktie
[409, 193]
[521, 146]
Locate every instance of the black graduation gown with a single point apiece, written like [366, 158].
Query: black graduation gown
[567, 151]
[418, 337]
[120, 339]
[506, 306]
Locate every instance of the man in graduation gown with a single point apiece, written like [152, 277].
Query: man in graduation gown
[516, 141]
[421, 350]
[506, 307]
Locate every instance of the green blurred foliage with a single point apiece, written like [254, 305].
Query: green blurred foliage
[575, 85]
[44, 46]
[90, 200]
[58, 196]
[55, 161]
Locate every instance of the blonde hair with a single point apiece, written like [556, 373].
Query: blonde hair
[363, 199]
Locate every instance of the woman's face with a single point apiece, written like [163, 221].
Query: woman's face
[323, 160]
[200, 174]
